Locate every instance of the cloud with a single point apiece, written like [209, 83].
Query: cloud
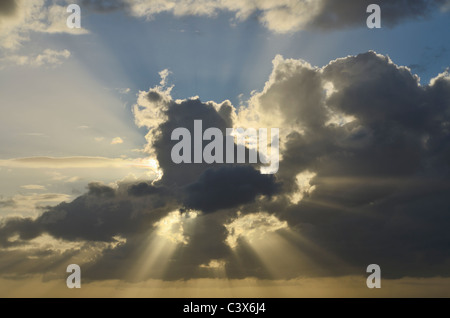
[116, 141]
[123, 91]
[164, 74]
[8, 203]
[19, 18]
[228, 187]
[351, 13]
[214, 264]
[47, 57]
[99, 215]
[363, 179]
[284, 16]
[252, 226]
[69, 162]
[156, 110]
[377, 176]
[144, 188]
[30, 204]
[47, 255]
[33, 187]
[171, 228]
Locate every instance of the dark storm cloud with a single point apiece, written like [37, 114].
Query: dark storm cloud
[206, 187]
[183, 114]
[227, 187]
[100, 190]
[153, 96]
[349, 13]
[382, 183]
[98, 215]
[18, 264]
[402, 228]
[143, 189]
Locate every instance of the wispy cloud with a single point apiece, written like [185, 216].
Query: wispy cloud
[48, 57]
[33, 187]
[22, 17]
[70, 162]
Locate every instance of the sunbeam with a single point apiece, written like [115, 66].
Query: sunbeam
[162, 240]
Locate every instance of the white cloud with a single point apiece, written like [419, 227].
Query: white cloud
[58, 176]
[252, 227]
[442, 76]
[123, 91]
[214, 264]
[303, 186]
[283, 16]
[149, 111]
[82, 250]
[279, 16]
[171, 226]
[116, 141]
[28, 204]
[164, 74]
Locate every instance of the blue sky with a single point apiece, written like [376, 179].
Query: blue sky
[218, 58]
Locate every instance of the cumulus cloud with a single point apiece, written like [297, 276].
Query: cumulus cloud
[376, 177]
[363, 179]
[228, 187]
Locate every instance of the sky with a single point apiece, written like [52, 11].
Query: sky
[88, 177]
